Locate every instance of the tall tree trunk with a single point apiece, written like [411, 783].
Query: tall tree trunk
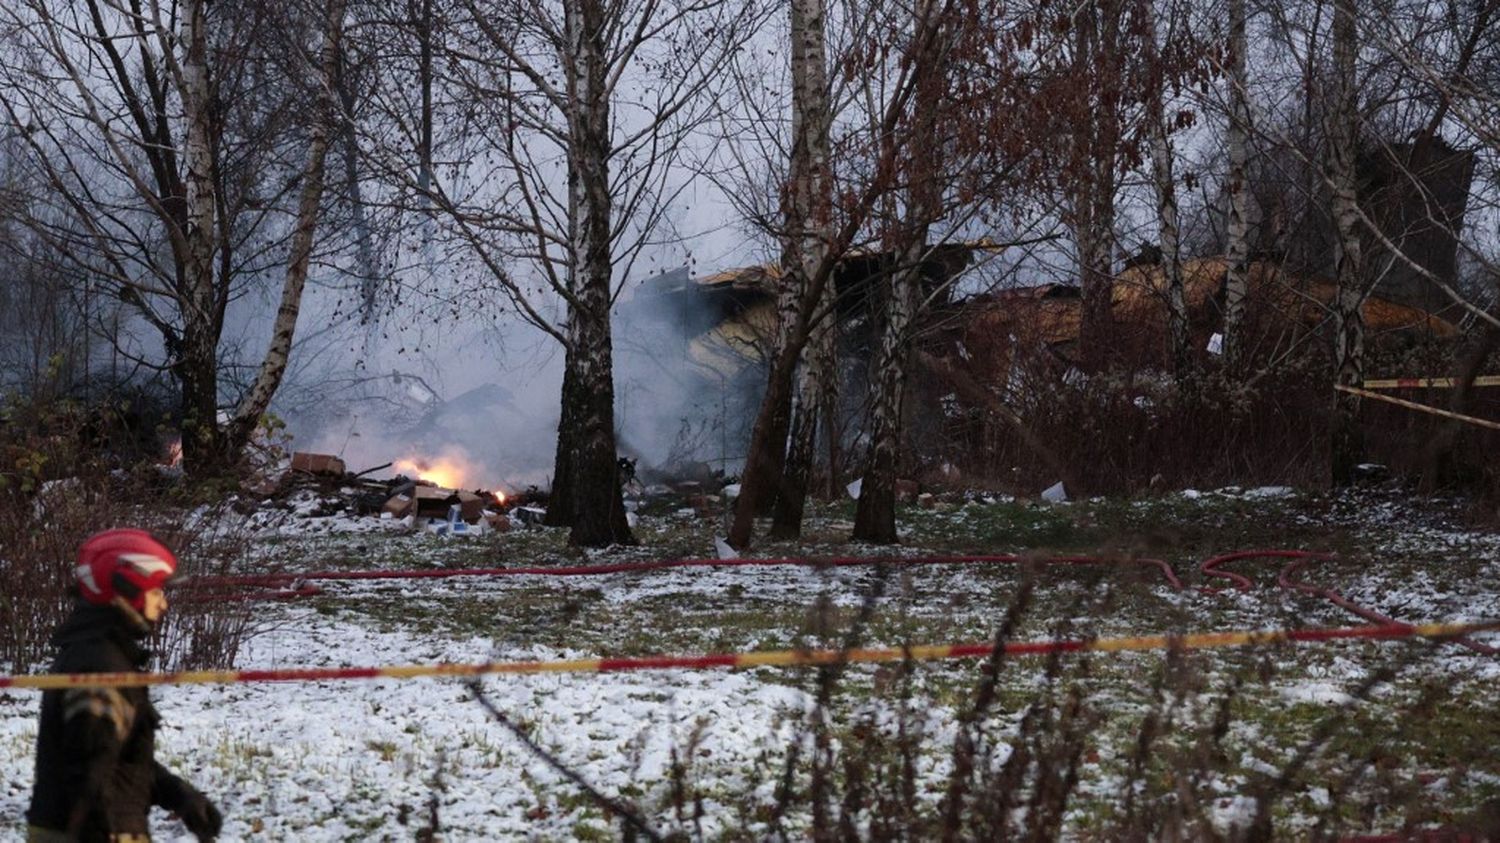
[765, 452]
[1096, 54]
[875, 514]
[1178, 354]
[598, 506]
[1095, 243]
[196, 370]
[813, 387]
[423, 13]
[364, 245]
[767, 472]
[599, 511]
[273, 367]
[829, 386]
[560, 496]
[560, 503]
[807, 218]
[768, 435]
[764, 470]
[1439, 451]
[802, 439]
[1237, 248]
[1348, 320]
[197, 367]
[831, 418]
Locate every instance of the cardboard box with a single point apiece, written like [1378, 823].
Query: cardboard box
[432, 502]
[399, 506]
[325, 465]
[471, 506]
[529, 515]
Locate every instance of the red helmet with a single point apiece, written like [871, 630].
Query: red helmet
[124, 563]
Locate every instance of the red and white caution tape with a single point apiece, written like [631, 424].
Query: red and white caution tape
[1421, 408]
[774, 658]
[1426, 383]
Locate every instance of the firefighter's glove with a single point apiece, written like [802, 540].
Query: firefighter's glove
[200, 816]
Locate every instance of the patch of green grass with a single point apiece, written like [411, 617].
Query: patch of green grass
[990, 528]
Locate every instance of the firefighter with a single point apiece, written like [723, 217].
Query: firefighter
[96, 772]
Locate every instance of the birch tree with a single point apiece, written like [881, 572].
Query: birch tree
[1348, 318]
[353, 68]
[1097, 67]
[1447, 53]
[130, 116]
[1423, 77]
[875, 516]
[1165, 183]
[808, 221]
[1089, 82]
[924, 157]
[1237, 228]
[567, 123]
[764, 459]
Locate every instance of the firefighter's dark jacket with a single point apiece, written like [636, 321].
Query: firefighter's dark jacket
[96, 774]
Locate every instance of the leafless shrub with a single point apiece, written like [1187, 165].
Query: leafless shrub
[56, 489]
[1125, 429]
[1170, 749]
[205, 633]
[1012, 768]
[1131, 428]
[38, 578]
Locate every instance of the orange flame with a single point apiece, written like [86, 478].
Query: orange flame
[449, 471]
[442, 471]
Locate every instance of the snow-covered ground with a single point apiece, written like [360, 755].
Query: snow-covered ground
[366, 760]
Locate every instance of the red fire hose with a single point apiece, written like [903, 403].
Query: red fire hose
[296, 584]
[287, 586]
[1286, 579]
[1210, 567]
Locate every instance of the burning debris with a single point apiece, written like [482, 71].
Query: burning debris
[423, 494]
[443, 472]
[440, 496]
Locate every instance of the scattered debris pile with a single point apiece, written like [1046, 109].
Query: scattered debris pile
[320, 485]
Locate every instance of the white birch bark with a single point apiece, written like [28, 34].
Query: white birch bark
[1348, 320]
[599, 514]
[875, 516]
[807, 170]
[1237, 246]
[309, 204]
[198, 180]
[1095, 51]
[197, 364]
[1164, 181]
[808, 219]
[1171, 255]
